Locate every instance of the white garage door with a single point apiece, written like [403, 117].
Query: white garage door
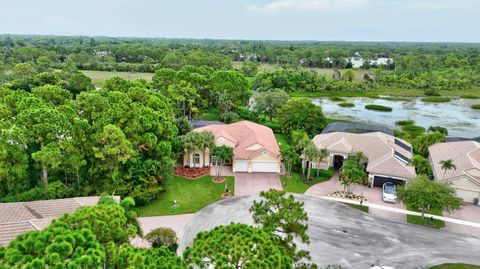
[241, 166]
[264, 166]
[467, 195]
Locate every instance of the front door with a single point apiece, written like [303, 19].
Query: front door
[337, 161]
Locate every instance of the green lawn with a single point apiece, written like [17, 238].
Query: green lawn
[363, 208]
[191, 194]
[282, 139]
[296, 184]
[98, 77]
[455, 266]
[426, 221]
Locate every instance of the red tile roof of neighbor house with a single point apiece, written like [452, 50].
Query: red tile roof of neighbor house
[245, 134]
[21, 217]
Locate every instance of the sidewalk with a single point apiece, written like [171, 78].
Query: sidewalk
[404, 211]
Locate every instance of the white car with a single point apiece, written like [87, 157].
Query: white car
[389, 192]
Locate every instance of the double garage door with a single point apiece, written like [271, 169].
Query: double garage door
[257, 166]
[378, 181]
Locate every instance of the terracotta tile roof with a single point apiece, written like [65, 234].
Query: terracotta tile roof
[9, 231]
[379, 148]
[245, 134]
[17, 218]
[465, 155]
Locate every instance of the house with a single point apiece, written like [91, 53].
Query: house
[255, 148]
[388, 156]
[465, 178]
[21, 217]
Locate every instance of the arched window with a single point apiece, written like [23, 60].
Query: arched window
[196, 158]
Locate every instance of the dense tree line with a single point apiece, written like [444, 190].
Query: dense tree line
[415, 65]
[118, 139]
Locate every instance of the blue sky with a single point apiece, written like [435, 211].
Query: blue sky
[349, 20]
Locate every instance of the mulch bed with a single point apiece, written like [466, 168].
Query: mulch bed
[192, 173]
[342, 194]
[218, 179]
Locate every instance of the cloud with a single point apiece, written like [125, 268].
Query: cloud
[306, 5]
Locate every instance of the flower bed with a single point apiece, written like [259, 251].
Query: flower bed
[346, 195]
[192, 173]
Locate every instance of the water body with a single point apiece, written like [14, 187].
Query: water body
[457, 115]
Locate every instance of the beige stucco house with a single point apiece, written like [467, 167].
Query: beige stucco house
[388, 156]
[255, 148]
[465, 179]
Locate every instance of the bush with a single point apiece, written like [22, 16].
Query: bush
[436, 99]
[245, 113]
[346, 104]
[229, 117]
[379, 108]
[58, 190]
[438, 129]
[477, 106]
[163, 237]
[432, 92]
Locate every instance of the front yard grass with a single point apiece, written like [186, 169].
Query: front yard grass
[426, 221]
[191, 195]
[297, 184]
[363, 208]
[455, 266]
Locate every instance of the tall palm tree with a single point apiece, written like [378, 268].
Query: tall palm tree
[309, 154]
[321, 155]
[207, 141]
[447, 165]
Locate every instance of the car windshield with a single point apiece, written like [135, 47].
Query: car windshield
[390, 189]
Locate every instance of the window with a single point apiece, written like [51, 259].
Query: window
[213, 159]
[196, 158]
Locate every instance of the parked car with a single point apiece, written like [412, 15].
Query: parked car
[389, 192]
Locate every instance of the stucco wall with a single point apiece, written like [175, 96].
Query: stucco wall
[465, 188]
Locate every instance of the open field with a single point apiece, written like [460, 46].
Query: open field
[190, 194]
[328, 72]
[98, 77]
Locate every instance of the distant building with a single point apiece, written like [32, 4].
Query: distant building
[381, 61]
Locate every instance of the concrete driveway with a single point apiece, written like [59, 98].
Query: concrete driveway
[176, 223]
[373, 195]
[348, 237]
[251, 183]
[468, 212]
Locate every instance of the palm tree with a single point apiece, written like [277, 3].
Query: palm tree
[207, 141]
[321, 155]
[447, 165]
[309, 154]
[222, 155]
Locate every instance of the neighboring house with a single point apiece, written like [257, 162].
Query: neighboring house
[388, 156]
[255, 148]
[21, 217]
[465, 179]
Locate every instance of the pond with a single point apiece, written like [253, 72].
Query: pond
[457, 115]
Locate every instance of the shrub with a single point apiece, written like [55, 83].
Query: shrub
[245, 113]
[163, 237]
[58, 190]
[436, 99]
[379, 108]
[477, 106]
[336, 99]
[432, 92]
[346, 104]
[229, 117]
[438, 129]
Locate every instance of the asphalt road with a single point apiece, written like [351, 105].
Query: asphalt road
[345, 236]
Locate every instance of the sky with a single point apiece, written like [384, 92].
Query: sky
[324, 20]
